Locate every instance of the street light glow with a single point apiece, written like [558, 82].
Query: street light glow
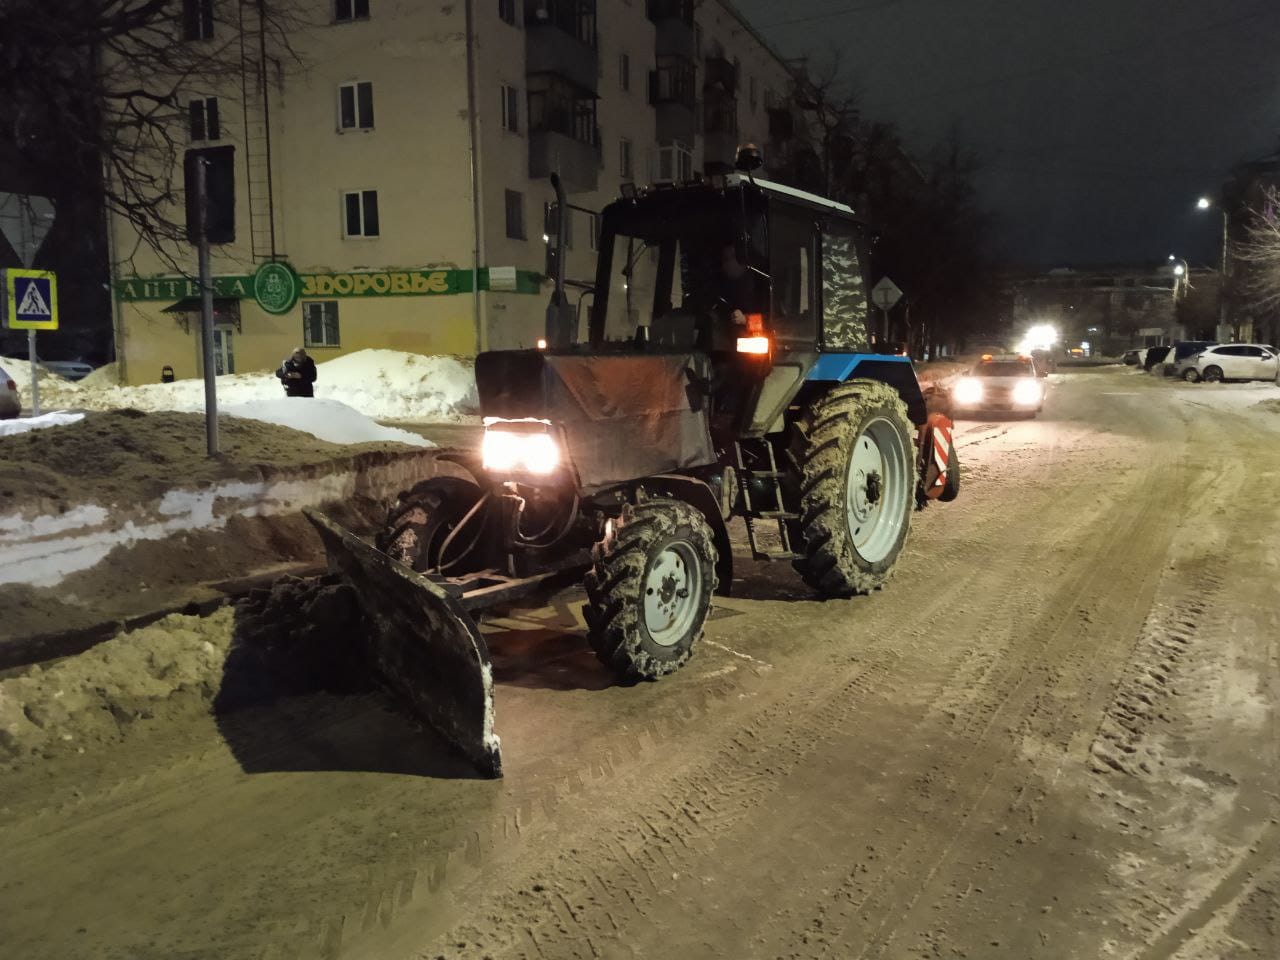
[1204, 203]
[1178, 270]
[1041, 336]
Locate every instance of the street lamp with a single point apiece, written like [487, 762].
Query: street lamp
[1206, 203]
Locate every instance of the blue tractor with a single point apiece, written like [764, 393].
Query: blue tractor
[724, 372]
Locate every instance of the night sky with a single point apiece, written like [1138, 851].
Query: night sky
[1099, 121]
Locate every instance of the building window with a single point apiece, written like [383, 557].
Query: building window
[320, 323]
[625, 166]
[510, 108]
[507, 11]
[624, 72]
[344, 11]
[593, 231]
[197, 19]
[203, 114]
[675, 161]
[360, 213]
[355, 106]
[751, 92]
[515, 214]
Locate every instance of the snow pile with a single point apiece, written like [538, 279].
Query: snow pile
[329, 420]
[382, 384]
[9, 427]
[55, 391]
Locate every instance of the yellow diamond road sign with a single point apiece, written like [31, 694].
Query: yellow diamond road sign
[31, 300]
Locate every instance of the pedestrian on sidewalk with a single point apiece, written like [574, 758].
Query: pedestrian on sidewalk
[298, 374]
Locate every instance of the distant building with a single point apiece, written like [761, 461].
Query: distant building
[393, 193]
[1115, 308]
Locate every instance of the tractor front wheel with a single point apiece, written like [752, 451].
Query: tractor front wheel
[419, 529]
[650, 588]
[857, 467]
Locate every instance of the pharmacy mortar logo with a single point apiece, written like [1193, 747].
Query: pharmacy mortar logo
[276, 287]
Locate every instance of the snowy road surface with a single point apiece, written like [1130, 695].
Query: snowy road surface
[1054, 735]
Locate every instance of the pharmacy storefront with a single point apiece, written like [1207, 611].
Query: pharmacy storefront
[260, 317]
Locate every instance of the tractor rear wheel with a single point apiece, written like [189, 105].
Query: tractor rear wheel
[650, 588]
[421, 521]
[857, 466]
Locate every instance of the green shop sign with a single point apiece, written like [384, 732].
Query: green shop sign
[276, 287]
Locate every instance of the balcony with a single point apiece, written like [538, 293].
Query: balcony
[563, 136]
[560, 38]
[673, 93]
[722, 75]
[577, 162]
[673, 20]
[720, 129]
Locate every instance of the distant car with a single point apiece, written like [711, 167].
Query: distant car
[1231, 361]
[70, 369]
[1155, 355]
[1005, 382]
[1180, 351]
[10, 402]
[1132, 358]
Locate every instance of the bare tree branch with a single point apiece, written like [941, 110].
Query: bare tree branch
[96, 92]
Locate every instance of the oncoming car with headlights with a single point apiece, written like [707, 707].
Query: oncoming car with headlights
[1000, 382]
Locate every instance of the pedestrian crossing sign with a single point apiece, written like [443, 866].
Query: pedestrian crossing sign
[30, 300]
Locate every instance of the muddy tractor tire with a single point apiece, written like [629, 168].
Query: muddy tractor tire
[421, 521]
[857, 464]
[650, 589]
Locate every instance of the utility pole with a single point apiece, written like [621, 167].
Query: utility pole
[206, 309]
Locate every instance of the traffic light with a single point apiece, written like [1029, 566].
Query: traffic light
[220, 190]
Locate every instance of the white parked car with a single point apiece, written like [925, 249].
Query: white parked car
[10, 404]
[1230, 361]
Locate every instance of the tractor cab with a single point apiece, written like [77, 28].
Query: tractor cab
[756, 277]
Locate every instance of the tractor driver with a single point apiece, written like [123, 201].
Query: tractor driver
[729, 292]
[735, 286]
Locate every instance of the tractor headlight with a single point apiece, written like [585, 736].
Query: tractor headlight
[519, 446]
[1026, 393]
[968, 391]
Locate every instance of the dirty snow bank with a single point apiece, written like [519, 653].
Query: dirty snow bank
[21, 425]
[298, 637]
[381, 384]
[329, 420]
[93, 698]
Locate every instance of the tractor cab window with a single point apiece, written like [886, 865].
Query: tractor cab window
[681, 270]
[844, 292]
[792, 243]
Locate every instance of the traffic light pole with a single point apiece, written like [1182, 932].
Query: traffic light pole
[206, 311]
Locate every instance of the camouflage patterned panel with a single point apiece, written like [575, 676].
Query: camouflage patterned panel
[844, 295]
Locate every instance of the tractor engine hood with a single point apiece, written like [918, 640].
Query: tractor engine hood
[624, 416]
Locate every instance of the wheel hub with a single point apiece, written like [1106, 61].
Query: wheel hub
[671, 595]
[877, 490]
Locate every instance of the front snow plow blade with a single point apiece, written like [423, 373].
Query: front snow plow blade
[423, 644]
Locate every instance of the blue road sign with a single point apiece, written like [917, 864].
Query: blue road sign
[31, 299]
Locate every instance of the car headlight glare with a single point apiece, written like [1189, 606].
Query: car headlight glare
[524, 446]
[1026, 393]
[968, 391]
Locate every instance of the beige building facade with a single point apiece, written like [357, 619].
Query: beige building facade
[391, 186]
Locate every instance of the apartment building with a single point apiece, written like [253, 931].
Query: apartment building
[392, 188]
